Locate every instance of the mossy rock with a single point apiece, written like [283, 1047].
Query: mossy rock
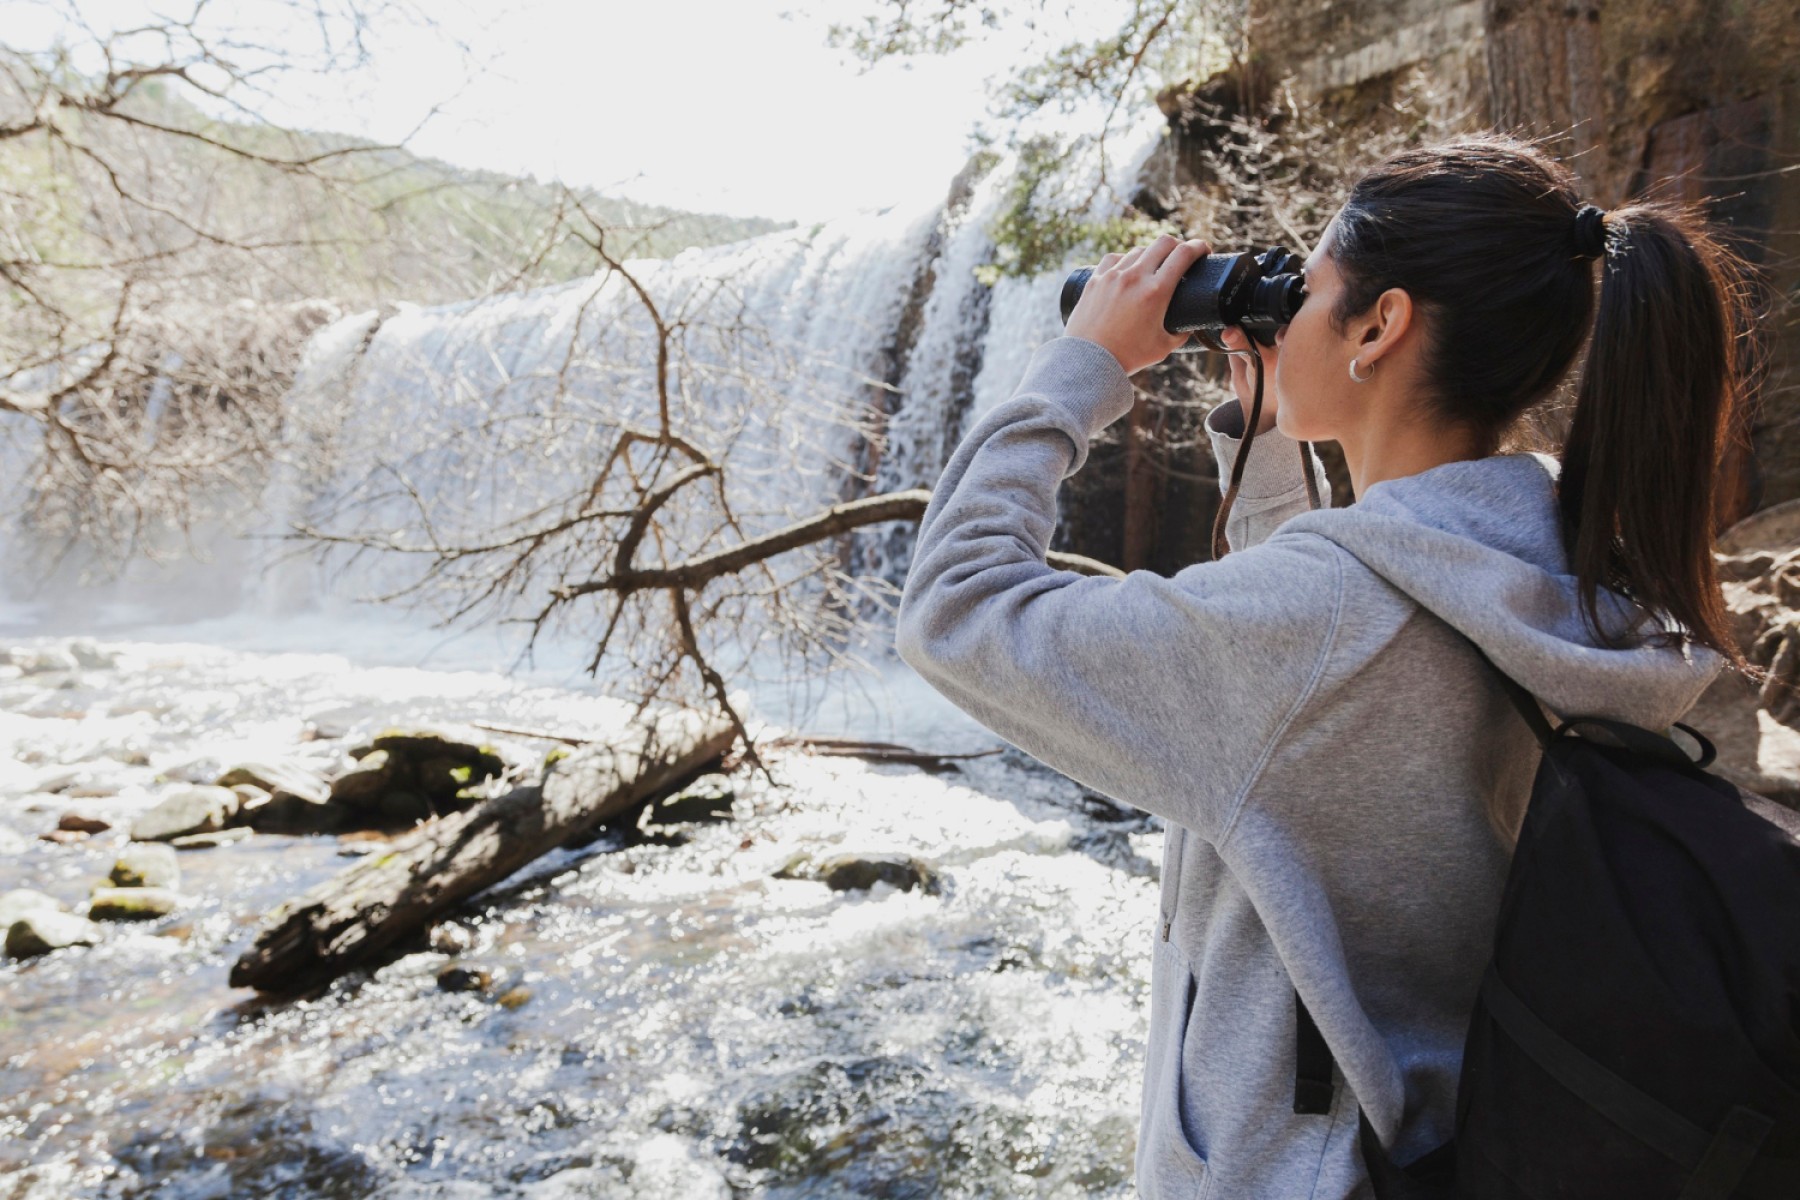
[132, 903]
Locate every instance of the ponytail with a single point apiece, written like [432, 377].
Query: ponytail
[1488, 233]
[1658, 404]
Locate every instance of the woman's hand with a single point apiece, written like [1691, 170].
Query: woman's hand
[1125, 300]
[1243, 376]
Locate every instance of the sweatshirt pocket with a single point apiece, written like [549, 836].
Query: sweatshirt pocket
[1168, 1163]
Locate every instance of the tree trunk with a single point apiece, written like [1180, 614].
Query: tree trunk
[1141, 491]
[349, 920]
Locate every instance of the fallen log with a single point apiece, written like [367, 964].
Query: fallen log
[352, 918]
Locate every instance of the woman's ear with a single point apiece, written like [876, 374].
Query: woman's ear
[1389, 318]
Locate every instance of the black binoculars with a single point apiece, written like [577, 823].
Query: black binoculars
[1259, 293]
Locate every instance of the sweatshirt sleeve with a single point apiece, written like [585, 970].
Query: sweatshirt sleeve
[1164, 693]
[1274, 484]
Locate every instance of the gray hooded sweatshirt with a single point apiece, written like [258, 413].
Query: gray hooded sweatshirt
[1319, 737]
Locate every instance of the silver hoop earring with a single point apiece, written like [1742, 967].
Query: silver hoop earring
[1361, 378]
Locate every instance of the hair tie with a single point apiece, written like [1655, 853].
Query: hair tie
[1590, 231]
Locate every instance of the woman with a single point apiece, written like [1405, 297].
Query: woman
[1340, 774]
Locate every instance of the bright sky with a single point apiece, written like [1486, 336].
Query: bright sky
[714, 105]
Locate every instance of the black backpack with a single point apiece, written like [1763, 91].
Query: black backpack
[1637, 1032]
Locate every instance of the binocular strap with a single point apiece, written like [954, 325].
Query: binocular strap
[1220, 547]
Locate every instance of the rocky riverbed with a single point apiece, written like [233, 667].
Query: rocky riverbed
[876, 980]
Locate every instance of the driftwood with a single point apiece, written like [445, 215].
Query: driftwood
[873, 751]
[349, 920]
[880, 752]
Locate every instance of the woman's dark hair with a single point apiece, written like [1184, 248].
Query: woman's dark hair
[1481, 233]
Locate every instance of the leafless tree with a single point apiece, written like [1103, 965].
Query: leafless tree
[680, 534]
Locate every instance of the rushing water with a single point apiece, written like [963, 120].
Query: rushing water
[680, 1021]
[695, 1026]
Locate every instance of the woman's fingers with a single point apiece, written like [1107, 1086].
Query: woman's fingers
[1183, 255]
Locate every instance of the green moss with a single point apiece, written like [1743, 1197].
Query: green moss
[555, 756]
[1041, 225]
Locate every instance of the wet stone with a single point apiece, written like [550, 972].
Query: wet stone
[456, 978]
[402, 808]
[292, 813]
[147, 864]
[860, 872]
[705, 801]
[132, 903]
[420, 746]
[277, 778]
[64, 837]
[41, 932]
[45, 662]
[90, 657]
[82, 823]
[213, 840]
[22, 902]
[362, 785]
[199, 809]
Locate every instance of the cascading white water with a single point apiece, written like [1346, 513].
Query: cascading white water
[791, 334]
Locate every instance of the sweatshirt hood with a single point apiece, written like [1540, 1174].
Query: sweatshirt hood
[1478, 543]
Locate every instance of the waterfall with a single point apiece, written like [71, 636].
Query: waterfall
[450, 421]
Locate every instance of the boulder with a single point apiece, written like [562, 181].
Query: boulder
[442, 778]
[21, 902]
[293, 813]
[82, 823]
[276, 778]
[146, 864]
[421, 745]
[132, 903]
[199, 809]
[38, 933]
[362, 785]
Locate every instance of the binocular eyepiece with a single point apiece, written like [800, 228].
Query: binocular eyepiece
[1260, 293]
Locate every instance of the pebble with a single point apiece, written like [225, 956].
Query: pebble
[208, 841]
